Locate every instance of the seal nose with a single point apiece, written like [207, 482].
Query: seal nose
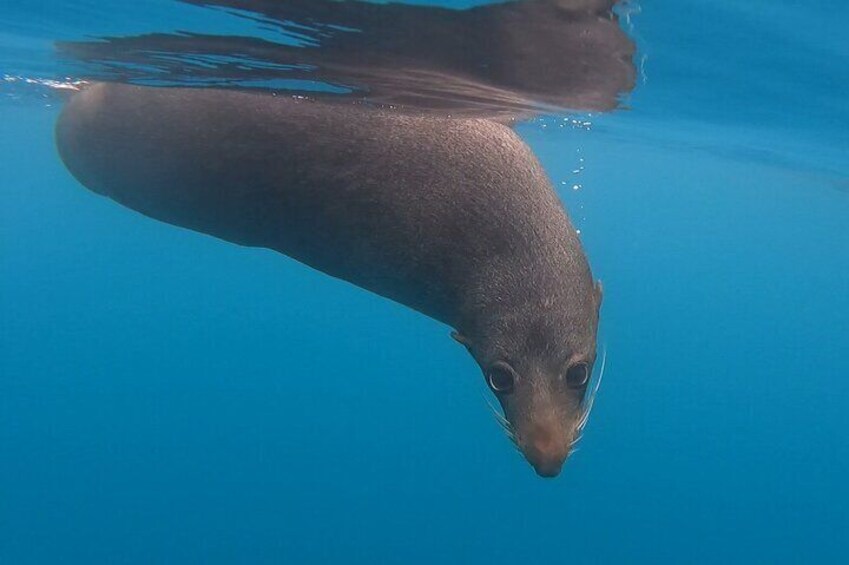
[544, 452]
[548, 469]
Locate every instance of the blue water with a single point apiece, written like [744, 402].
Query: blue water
[166, 397]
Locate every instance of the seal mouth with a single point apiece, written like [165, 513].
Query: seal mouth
[542, 445]
[548, 469]
[545, 448]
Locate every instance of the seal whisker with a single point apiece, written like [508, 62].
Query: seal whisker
[590, 400]
[498, 415]
[502, 421]
[508, 429]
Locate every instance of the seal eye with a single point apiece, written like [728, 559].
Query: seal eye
[500, 379]
[577, 375]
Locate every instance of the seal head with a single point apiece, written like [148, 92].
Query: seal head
[538, 362]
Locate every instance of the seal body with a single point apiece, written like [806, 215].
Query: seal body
[452, 217]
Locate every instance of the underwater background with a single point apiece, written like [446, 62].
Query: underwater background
[166, 397]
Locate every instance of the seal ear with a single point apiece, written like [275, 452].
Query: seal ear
[462, 340]
[599, 293]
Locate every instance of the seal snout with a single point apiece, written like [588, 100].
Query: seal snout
[545, 451]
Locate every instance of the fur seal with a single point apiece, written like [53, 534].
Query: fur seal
[452, 217]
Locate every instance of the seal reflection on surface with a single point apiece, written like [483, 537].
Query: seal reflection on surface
[433, 203]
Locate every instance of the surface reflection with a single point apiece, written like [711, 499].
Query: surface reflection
[509, 58]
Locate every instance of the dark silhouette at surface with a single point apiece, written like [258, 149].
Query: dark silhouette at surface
[514, 57]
